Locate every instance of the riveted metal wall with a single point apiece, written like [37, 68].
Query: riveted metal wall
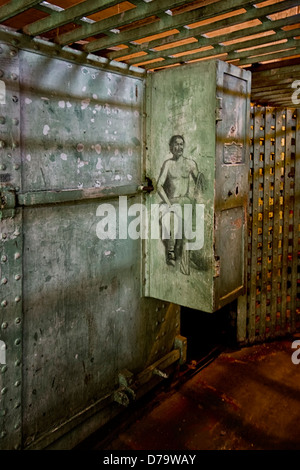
[80, 341]
[272, 305]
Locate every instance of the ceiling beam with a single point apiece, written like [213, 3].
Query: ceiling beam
[71, 14]
[198, 32]
[215, 42]
[167, 23]
[14, 7]
[143, 11]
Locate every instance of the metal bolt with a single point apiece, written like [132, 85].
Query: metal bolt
[17, 277]
[4, 325]
[4, 369]
[14, 145]
[17, 383]
[17, 342]
[17, 255]
[4, 280]
[17, 405]
[17, 320]
[3, 257]
[17, 425]
[15, 121]
[17, 298]
[16, 166]
[2, 412]
[14, 76]
[4, 303]
[15, 99]
[3, 434]
[4, 391]
[17, 363]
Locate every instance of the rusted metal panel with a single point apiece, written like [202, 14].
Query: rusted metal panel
[206, 110]
[273, 292]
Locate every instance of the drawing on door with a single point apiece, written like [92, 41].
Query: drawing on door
[177, 185]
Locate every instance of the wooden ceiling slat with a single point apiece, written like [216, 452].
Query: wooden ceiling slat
[57, 19]
[14, 7]
[264, 27]
[232, 47]
[167, 22]
[144, 10]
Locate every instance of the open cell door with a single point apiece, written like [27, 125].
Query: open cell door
[197, 159]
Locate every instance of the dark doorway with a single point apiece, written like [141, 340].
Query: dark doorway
[207, 333]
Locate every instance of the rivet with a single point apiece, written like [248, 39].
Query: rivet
[4, 391]
[17, 405]
[16, 166]
[4, 303]
[15, 121]
[17, 363]
[3, 434]
[2, 120]
[4, 325]
[18, 298]
[3, 258]
[14, 145]
[17, 255]
[17, 277]
[17, 342]
[17, 320]
[15, 99]
[17, 383]
[2, 167]
[4, 280]
[4, 369]
[17, 425]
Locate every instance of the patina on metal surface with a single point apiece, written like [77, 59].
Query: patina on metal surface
[71, 307]
[11, 256]
[206, 110]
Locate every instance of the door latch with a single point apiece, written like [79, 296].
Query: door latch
[7, 202]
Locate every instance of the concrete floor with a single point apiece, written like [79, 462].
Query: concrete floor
[244, 399]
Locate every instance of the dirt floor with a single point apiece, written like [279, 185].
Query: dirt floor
[246, 399]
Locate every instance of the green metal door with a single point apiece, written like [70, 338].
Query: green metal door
[72, 315]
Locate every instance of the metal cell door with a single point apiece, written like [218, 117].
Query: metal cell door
[70, 136]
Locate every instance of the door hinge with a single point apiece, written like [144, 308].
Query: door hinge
[219, 107]
[7, 202]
